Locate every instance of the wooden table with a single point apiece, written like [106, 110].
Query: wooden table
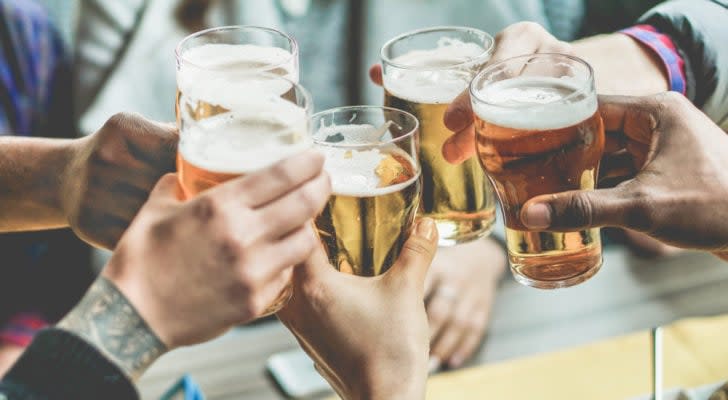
[627, 295]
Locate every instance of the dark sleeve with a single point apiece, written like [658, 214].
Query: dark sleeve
[60, 365]
[699, 29]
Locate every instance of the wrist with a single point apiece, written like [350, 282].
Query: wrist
[385, 384]
[108, 321]
[636, 72]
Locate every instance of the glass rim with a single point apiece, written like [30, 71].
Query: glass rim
[178, 52]
[487, 51]
[581, 89]
[332, 111]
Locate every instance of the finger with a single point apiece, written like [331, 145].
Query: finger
[443, 345]
[635, 116]
[576, 210]
[295, 208]
[471, 339]
[150, 141]
[459, 113]
[417, 254]
[518, 39]
[439, 309]
[376, 75]
[293, 249]
[460, 146]
[274, 295]
[269, 184]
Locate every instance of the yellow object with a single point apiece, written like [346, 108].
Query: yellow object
[695, 352]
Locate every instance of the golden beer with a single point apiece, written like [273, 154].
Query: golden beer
[424, 82]
[363, 231]
[535, 136]
[371, 158]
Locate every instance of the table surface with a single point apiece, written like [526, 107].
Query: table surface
[627, 295]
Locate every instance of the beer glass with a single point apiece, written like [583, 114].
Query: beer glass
[424, 71]
[235, 119]
[538, 132]
[371, 157]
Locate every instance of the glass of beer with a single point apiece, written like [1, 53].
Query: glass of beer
[424, 71]
[371, 157]
[234, 118]
[538, 132]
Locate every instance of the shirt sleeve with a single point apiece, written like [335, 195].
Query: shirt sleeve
[663, 47]
[60, 365]
[698, 30]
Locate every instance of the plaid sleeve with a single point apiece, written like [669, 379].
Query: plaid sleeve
[33, 65]
[21, 329]
[665, 49]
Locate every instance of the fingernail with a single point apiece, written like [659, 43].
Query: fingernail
[455, 362]
[537, 216]
[434, 364]
[454, 119]
[426, 228]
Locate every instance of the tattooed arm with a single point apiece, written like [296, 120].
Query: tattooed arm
[107, 320]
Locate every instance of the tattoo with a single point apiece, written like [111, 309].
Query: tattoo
[109, 322]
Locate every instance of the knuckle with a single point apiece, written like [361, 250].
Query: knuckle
[229, 251]
[529, 27]
[309, 199]
[120, 121]
[419, 246]
[560, 47]
[578, 211]
[205, 208]
[282, 174]
[640, 215]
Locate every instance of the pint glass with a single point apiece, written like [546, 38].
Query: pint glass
[538, 132]
[237, 111]
[423, 73]
[371, 157]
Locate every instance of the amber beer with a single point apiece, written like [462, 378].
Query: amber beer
[535, 136]
[424, 81]
[238, 107]
[375, 182]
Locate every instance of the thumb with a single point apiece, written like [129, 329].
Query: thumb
[376, 75]
[576, 210]
[417, 254]
[459, 113]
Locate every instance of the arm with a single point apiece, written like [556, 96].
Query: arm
[698, 29]
[134, 312]
[31, 183]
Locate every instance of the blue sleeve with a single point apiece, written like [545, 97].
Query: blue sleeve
[35, 77]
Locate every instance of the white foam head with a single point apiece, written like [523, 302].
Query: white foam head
[353, 169]
[219, 73]
[247, 139]
[427, 78]
[535, 103]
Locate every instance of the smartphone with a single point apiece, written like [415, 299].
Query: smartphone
[295, 375]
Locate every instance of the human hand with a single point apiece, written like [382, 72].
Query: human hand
[459, 293]
[679, 193]
[110, 174]
[193, 269]
[368, 336]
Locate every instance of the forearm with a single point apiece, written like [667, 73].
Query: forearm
[622, 66]
[31, 172]
[107, 320]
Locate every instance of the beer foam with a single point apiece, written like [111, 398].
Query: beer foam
[353, 170]
[535, 103]
[437, 85]
[246, 140]
[223, 74]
